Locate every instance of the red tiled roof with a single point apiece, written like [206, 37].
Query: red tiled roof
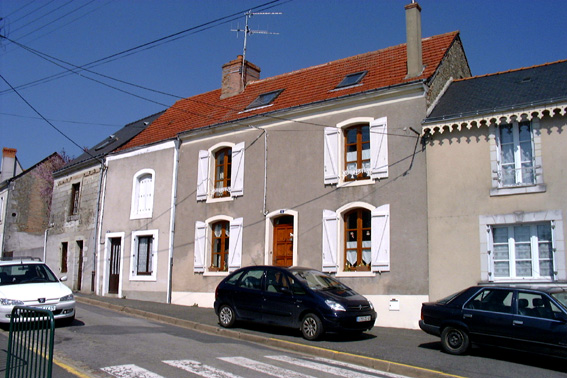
[386, 67]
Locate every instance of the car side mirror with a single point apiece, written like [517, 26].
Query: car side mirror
[63, 279]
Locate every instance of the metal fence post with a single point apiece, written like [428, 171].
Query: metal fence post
[30, 343]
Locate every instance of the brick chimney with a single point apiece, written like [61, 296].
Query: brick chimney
[413, 36]
[9, 164]
[233, 81]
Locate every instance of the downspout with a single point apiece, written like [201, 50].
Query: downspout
[98, 226]
[264, 211]
[172, 218]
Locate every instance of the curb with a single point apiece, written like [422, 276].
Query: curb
[370, 362]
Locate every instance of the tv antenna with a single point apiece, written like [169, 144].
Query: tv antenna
[247, 31]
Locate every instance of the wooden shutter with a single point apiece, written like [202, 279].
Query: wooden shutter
[331, 155]
[381, 239]
[199, 250]
[235, 245]
[203, 175]
[237, 172]
[379, 148]
[329, 241]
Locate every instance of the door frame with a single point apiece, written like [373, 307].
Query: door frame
[106, 270]
[269, 234]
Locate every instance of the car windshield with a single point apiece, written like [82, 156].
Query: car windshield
[25, 273]
[318, 281]
[561, 297]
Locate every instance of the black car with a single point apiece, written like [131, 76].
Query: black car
[302, 298]
[531, 319]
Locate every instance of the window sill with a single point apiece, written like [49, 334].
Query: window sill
[215, 274]
[141, 216]
[509, 191]
[356, 274]
[220, 199]
[143, 278]
[344, 184]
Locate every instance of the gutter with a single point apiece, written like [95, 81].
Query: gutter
[172, 218]
[98, 226]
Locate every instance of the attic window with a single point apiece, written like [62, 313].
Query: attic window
[105, 142]
[351, 79]
[264, 99]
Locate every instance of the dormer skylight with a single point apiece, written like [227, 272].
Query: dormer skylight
[105, 143]
[351, 79]
[264, 99]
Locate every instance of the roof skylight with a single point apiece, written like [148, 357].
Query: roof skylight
[352, 79]
[264, 99]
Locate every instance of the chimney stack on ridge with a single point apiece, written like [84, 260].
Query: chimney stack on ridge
[233, 80]
[413, 36]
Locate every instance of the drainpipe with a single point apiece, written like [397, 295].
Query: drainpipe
[172, 218]
[98, 226]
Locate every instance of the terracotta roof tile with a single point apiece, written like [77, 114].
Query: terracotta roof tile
[386, 67]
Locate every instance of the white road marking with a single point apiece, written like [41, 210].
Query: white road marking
[264, 368]
[326, 365]
[130, 371]
[198, 368]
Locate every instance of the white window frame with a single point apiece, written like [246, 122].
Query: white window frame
[137, 186]
[488, 222]
[203, 247]
[498, 187]
[205, 172]
[134, 256]
[334, 164]
[333, 240]
[107, 245]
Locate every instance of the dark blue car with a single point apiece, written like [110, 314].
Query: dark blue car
[301, 298]
[526, 318]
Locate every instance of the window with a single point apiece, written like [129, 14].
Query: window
[363, 234]
[516, 154]
[220, 172]
[144, 255]
[522, 251]
[1, 209]
[223, 159]
[142, 194]
[516, 161]
[64, 253]
[224, 253]
[362, 144]
[495, 300]
[264, 99]
[220, 243]
[75, 190]
[537, 305]
[351, 79]
[358, 239]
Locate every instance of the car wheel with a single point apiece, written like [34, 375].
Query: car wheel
[454, 340]
[311, 327]
[227, 318]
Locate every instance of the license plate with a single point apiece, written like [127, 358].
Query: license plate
[363, 318]
[50, 308]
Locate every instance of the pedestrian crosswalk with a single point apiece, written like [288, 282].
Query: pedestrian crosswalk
[271, 366]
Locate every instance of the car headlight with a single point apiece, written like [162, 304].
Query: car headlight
[11, 302]
[67, 298]
[371, 305]
[334, 305]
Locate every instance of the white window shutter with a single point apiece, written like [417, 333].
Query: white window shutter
[379, 148]
[235, 244]
[200, 243]
[203, 175]
[381, 239]
[237, 175]
[330, 222]
[331, 158]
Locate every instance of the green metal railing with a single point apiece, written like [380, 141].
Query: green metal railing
[30, 343]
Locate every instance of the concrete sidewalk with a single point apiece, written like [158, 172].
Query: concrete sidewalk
[204, 320]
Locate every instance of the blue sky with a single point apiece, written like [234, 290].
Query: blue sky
[498, 35]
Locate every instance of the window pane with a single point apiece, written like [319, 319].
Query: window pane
[523, 251]
[522, 234]
[501, 269]
[545, 268]
[351, 136]
[365, 134]
[524, 269]
[351, 257]
[501, 252]
[506, 135]
[366, 256]
[500, 234]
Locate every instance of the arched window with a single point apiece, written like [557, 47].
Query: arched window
[357, 153]
[220, 172]
[358, 240]
[223, 161]
[220, 246]
[143, 195]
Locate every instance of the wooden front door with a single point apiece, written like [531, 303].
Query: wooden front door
[79, 264]
[283, 241]
[114, 273]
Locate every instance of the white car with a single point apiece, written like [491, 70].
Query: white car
[30, 282]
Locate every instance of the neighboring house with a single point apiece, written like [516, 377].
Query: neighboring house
[496, 180]
[73, 231]
[24, 205]
[321, 167]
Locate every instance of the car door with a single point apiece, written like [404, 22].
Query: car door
[279, 305]
[489, 316]
[248, 295]
[539, 323]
